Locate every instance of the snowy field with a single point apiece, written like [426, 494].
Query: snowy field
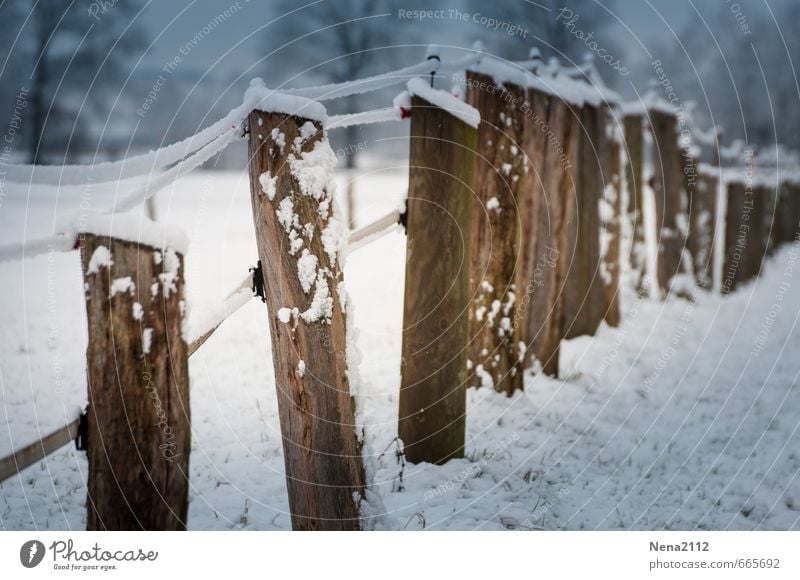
[685, 417]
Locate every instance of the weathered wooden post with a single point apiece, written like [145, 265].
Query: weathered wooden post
[634, 177]
[583, 294]
[670, 199]
[611, 220]
[551, 135]
[497, 353]
[298, 235]
[137, 369]
[742, 236]
[432, 414]
[702, 224]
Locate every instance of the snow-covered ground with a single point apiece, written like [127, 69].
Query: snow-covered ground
[685, 417]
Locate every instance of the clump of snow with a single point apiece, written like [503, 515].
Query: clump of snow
[147, 340]
[259, 97]
[313, 170]
[122, 285]
[138, 312]
[279, 138]
[333, 238]
[133, 226]
[169, 275]
[444, 100]
[493, 204]
[101, 258]
[307, 270]
[268, 184]
[301, 369]
[286, 216]
[285, 315]
[321, 307]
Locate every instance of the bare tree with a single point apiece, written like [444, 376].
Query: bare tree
[333, 42]
[73, 53]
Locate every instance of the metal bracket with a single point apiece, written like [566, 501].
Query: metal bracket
[82, 438]
[258, 282]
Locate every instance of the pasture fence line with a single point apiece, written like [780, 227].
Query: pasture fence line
[527, 203]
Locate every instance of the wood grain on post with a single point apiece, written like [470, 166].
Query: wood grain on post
[669, 199]
[547, 265]
[496, 353]
[324, 468]
[634, 175]
[432, 413]
[137, 368]
[583, 296]
[611, 222]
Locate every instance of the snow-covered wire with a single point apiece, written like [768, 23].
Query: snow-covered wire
[369, 84]
[365, 118]
[18, 250]
[143, 192]
[200, 331]
[65, 175]
[374, 231]
[365, 85]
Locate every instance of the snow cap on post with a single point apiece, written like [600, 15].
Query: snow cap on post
[259, 97]
[445, 101]
[134, 226]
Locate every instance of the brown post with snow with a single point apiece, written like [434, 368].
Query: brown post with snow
[551, 138]
[702, 224]
[298, 244]
[634, 176]
[583, 294]
[137, 370]
[433, 405]
[611, 221]
[497, 353]
[669, 198]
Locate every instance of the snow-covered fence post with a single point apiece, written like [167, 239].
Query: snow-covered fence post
[669, 197]
[743, 241]
[432, 413]
[138, 375]
[611, 218]
[583, 294]
[299, 236]
[634, 179]
[553, 123]
[497, 352]
[702, 217]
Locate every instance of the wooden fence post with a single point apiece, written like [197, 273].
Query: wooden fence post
[634, 175]
[702, 226]
[670, 199]
[297, 235]
[550, 142]
[743, 243]
[611, 214]
[432, 414]
[583, 294]
[139, 431]
[496, 353]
